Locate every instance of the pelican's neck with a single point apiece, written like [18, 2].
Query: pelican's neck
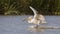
[35, 15]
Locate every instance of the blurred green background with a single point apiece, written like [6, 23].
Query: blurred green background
[21, 7]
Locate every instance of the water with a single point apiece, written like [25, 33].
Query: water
[16, 25]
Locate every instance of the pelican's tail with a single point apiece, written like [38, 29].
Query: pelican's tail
[35, 11]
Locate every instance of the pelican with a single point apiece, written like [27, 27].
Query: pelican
[36, 18]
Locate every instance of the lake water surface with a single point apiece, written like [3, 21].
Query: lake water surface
[16, 25]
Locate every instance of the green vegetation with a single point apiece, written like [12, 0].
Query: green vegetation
[21, 7]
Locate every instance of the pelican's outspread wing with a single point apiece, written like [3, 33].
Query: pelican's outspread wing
[35, 11]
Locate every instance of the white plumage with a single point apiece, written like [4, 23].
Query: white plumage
[37, 18]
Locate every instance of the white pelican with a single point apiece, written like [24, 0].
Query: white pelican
[37, 18]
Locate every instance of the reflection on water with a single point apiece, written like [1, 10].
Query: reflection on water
[33, 28]
[42, 28]
[15, 25]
